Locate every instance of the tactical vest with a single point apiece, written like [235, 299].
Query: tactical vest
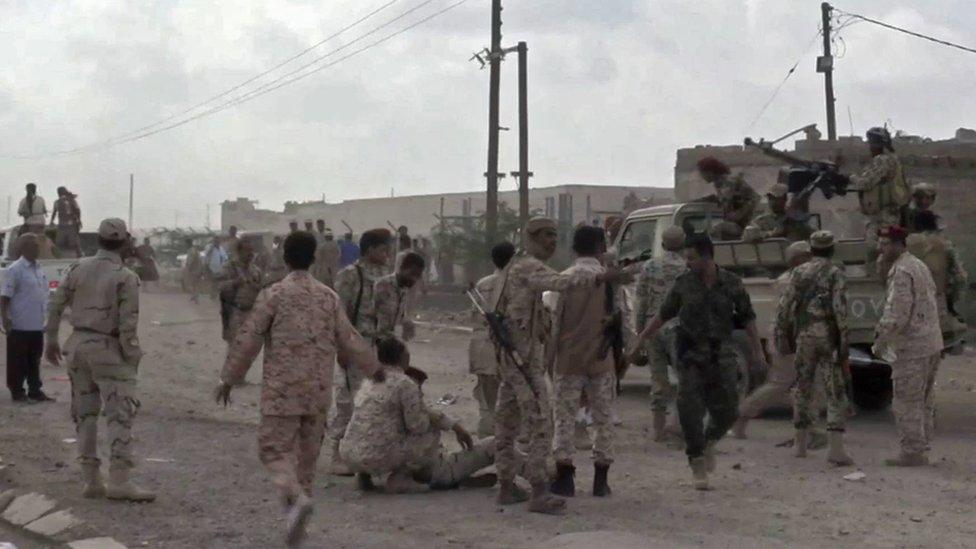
[931, 250]
[888, 196]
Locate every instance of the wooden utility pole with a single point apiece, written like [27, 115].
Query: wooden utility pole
[825, 64]
[524, 174]
[132, 184]
[495, 59]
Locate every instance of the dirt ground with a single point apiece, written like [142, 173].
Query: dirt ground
[214, 493]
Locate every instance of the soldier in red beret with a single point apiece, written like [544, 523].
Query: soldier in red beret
[734, 196]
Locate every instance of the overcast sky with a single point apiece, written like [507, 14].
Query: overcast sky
[616, 86]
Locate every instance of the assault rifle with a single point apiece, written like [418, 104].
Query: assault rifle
[613, 328]
[501, 334]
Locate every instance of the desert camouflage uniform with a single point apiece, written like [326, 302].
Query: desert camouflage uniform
[301, 325]
[706, 365]
[277, 269]
[524, 394]
[241, 283]
[392, 429]
[812, 315]
[875, 185]
[326, 265]
[390, 301]
[347, 378]
[656, 278]
[483, 361]
[947, 271]
[103, 352]
[738, 202]
[909, 328]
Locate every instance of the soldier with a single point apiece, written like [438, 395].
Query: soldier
[584, 366]
[104, 356]
[734, 196]
[942, 259]
[276, 264]
[292, 226]
[68, 214]
[230, 243]
[304, 326]
[355, 285]
[778, 222]
[656, 278]
[908, 336]
[192, 270]
[326, 256]
[881, 188]
[391, 294]
[393, 433]
[709, 302]
[522, 392]
[482, 356]
[811, 320]
[239, 284]
[923, 198]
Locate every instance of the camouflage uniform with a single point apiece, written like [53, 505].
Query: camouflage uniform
[707, 371]
[354, 284]
[883, 192]
[239, 285]
[103, 352]
[277, 269]
[326, 264]
[390, 304]
[947, 271]
[909, 330]
[483, 362]
[812, 316]
[656, 278]
[738, 202]
[773, 225]
[393, 430]
[302, 325]
[523, 393]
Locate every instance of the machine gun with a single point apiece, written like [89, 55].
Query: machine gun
[806, 176]
[501, 334]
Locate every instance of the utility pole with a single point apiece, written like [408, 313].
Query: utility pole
[495, 59]
[9, 206]
[524, 174]
[825, 64]
[132, 184]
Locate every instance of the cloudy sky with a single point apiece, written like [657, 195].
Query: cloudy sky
[616, 86]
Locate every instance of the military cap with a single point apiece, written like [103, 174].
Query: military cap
[893, 232]
[821, 240]
[673, 238]
[112, 229]
[536, 224]
[797, 248]
[778, 190]
[924, 189]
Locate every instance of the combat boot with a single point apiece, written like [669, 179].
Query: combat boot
[660, 426]
[121, 488]
[710, 456]
[835, 453]
[800, 443]
[600, 487]
[564, 485]
[739, 429]
[338, 467]
[908, 460]
[94, 484]
[297, 518]
[699, 473]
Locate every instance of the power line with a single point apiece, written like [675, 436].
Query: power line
[789, 73]
[906, 31]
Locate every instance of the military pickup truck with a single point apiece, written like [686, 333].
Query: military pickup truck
[52, 266]
[759, 264]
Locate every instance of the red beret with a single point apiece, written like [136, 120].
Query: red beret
[893, 232]
[713, 165]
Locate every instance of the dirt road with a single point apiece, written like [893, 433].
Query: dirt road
[213, 492]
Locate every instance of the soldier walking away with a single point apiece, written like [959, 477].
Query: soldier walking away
[214, 258]
[778, 222]
[709, 303]
[393, 433]
[104, 355]
[656, 278]
[355, 285]
[908, 336]
[522, 394]
[482, 355]
[734, 196]
[584, 365]
[391, 294]
[882, 190]
[33, 210]
[304, 326]
[68, 214]
[327, 255]
[942, 259]
[811, 322]
[239, 284]
[192, 271]
[923, 198]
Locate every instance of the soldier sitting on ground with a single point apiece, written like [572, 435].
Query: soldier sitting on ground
[733, 195]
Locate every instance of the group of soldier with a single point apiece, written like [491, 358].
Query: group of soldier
[65, 211]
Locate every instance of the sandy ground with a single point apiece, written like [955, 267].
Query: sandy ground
[213, 492]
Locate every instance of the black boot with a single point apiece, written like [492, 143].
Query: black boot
[564, 484]
[600, 487]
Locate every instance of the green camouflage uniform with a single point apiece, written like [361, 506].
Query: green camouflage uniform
[812, 317]
[240, 284]
[707, 370]
[656, 278]
[103, 352]
[773, 225]
[883, 192]
[738, 202]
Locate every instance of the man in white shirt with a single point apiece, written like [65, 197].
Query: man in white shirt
[33, 210]
[23, 304]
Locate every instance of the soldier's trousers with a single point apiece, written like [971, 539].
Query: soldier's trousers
[521, 404]
[706, 383]
[100, 384]
[486, 394]
[426, 460]
[347, 382]
[817, 365]
[914, 401]
[660, 354]
[599, 389]
[289, 447]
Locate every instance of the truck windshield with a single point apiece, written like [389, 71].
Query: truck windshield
[638, 238]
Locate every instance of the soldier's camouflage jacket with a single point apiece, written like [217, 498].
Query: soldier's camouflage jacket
[814, 304]
[881, 186]
[347, 285]
[390, 305]
[909, 324]
[656, 277]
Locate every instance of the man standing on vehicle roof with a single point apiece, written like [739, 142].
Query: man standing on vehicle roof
[811, 320]
[908, 336]
[68, 214]
[709, 302]
[33, 210]
[733, 195]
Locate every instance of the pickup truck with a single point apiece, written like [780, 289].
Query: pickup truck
[759, 264]
[54, 268]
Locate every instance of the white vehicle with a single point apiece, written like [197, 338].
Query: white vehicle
[54, 269]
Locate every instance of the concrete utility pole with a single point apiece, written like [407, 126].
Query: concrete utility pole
[524, 173]
[132, 184]
[825, 64]
[495, 59]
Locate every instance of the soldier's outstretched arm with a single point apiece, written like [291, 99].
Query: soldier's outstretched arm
[61, 299]
[250, 338]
